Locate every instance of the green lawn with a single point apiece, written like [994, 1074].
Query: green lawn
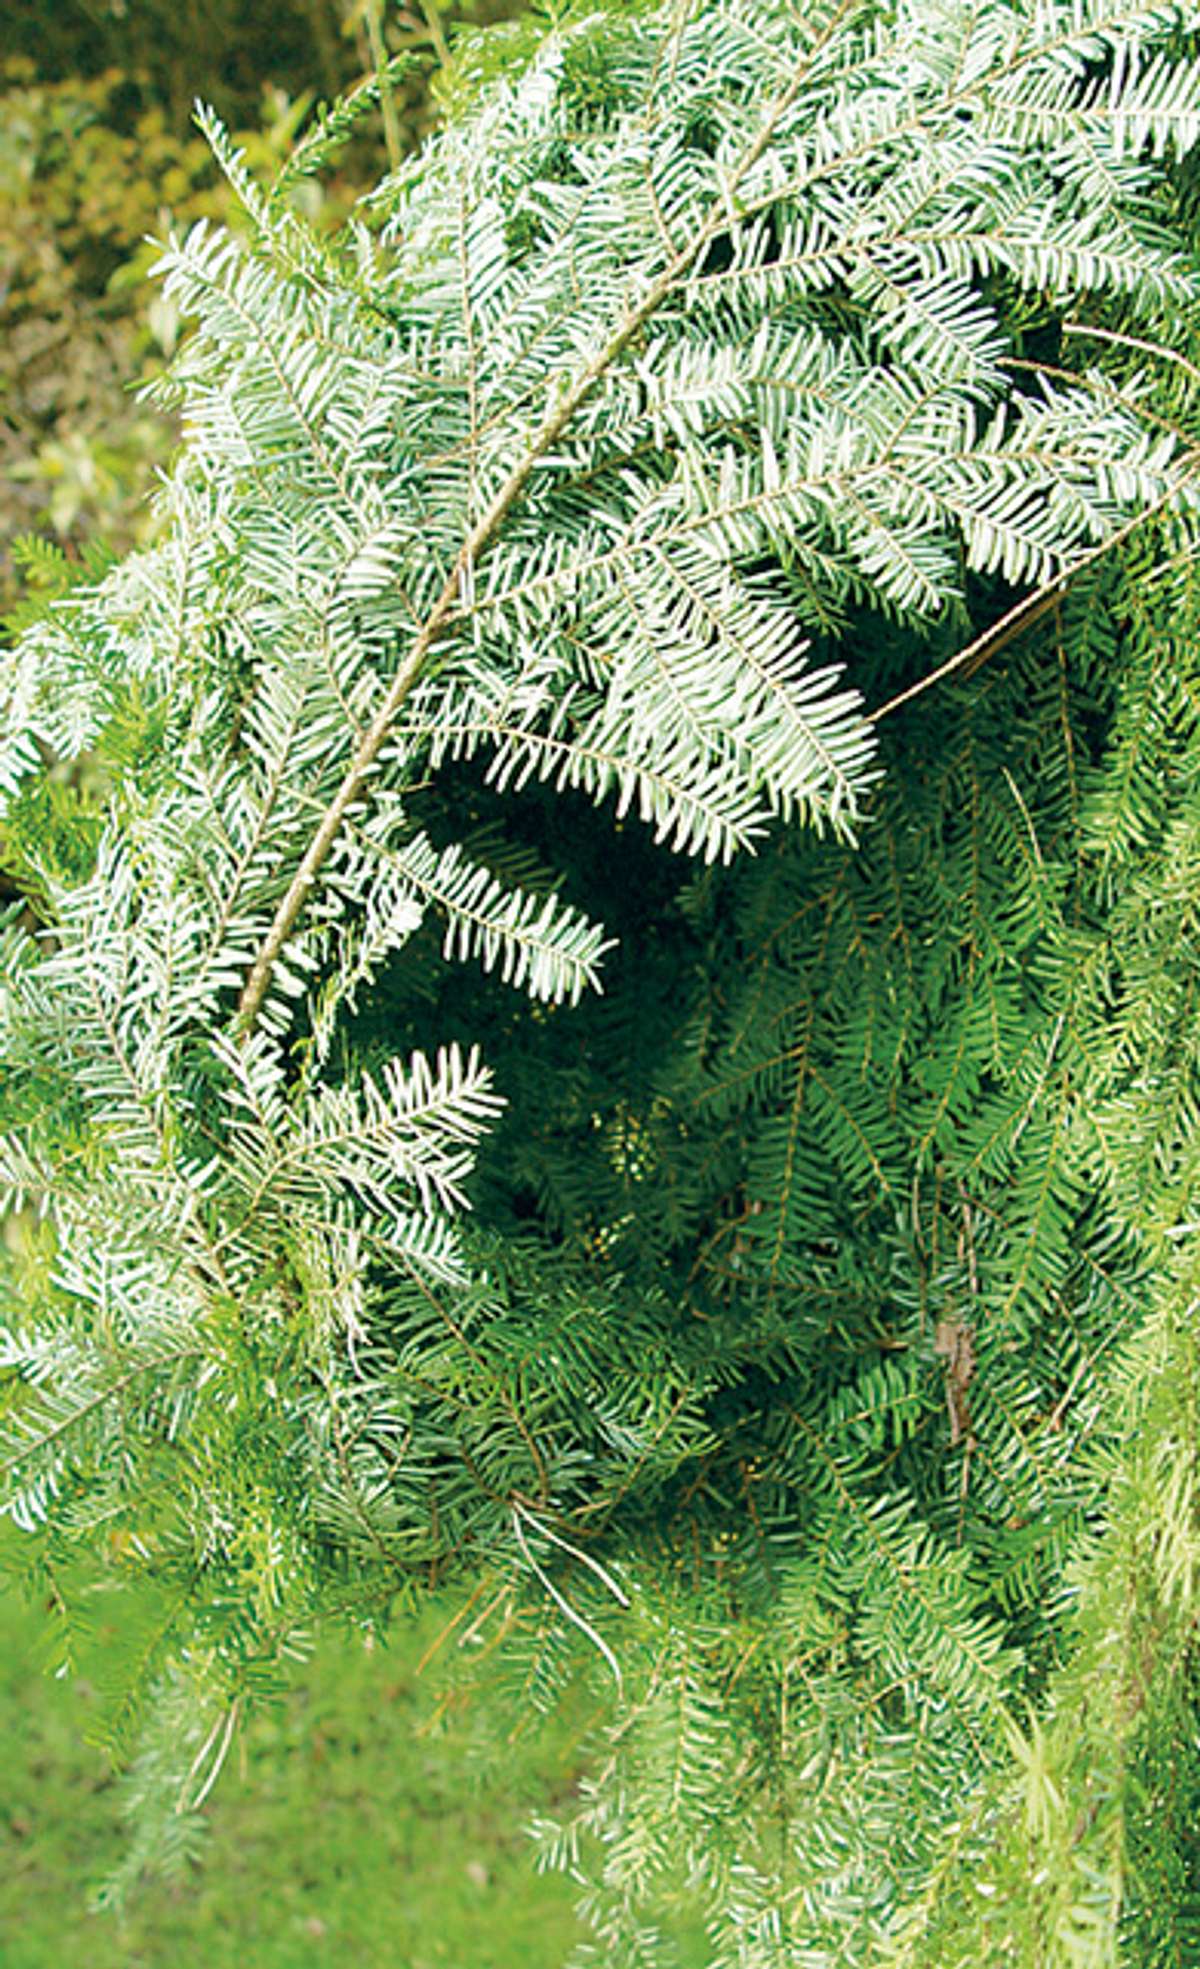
[343, 1832]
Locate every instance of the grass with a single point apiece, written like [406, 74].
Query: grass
[343, 1833]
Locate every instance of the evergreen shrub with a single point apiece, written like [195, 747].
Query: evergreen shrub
[613, 1025]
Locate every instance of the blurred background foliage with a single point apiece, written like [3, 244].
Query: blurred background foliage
[99, 155]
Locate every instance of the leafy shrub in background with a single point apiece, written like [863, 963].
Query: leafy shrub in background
[163, 47]
[99, 153]
[169, 51]
[672, 511]
[78, 197]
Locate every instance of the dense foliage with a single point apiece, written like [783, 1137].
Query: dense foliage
[676, 512]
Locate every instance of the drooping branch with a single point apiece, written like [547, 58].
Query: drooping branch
[477, 540]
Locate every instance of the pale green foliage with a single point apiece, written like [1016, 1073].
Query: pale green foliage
[647, 437]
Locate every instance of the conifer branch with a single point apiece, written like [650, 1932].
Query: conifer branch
[556, 421]
[821, 1294]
